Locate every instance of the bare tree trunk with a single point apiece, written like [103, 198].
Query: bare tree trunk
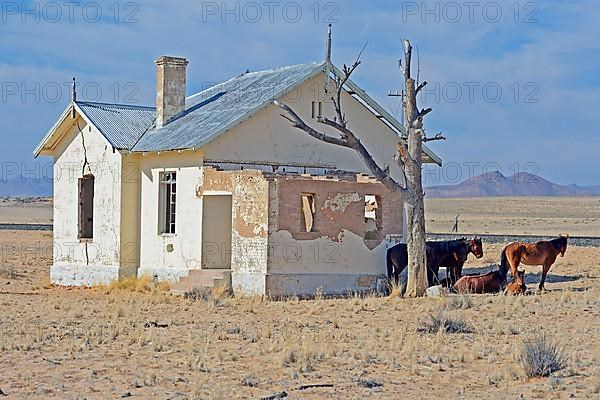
[415, 214]
[417, 283]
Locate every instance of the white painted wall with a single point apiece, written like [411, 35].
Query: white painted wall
[155, 257]
[78, 262]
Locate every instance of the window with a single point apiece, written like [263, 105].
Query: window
[308, 212]
[167, 193]
[317, 109]
[372, 216]
[86, 207]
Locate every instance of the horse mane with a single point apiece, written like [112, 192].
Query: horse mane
[449, 245]
[559, 242]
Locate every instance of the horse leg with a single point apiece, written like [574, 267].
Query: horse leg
[513, 260]
[452, 274]
[545, 270]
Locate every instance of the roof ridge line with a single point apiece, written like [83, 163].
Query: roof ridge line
[315, 63]
[122, 105]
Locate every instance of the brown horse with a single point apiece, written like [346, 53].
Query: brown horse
[542, 253]
[492, 282]
[518, 285]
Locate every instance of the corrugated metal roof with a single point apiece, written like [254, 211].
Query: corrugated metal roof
[221, 107]
[208, 113]
[122, 125]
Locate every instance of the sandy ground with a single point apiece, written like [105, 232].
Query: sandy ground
[101, 344]
[37, 211]
[578, 216]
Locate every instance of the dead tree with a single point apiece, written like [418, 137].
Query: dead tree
[409, 158]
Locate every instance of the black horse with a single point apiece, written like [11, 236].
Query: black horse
[450, 254]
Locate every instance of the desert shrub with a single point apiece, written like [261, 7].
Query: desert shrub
[369, 383]
[460, 302]
[541, 357]
[216, 294]
[198, 294]
[441, 322]
[250, 381]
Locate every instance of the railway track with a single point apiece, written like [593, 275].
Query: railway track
[25, 227]
[586, 241]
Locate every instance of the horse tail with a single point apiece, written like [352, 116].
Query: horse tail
[390, 266]
[503, 265]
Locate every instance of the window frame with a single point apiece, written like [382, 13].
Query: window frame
[313, 212]
[167, 203]
[85, 229]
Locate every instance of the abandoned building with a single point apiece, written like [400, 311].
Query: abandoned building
[217, 187]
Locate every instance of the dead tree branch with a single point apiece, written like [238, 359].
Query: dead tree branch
[438, 136]
[297, 122]
[347, 137]
[420, 87]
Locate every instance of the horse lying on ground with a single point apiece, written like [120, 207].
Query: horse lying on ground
[492, 282]
[542, 253]
[517, 286]
[450, 254]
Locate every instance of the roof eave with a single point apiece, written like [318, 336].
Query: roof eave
[41, 147]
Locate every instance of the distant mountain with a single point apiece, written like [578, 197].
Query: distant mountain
[493, 184]
[23, 186]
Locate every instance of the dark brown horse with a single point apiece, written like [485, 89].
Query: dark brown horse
[542, 253]
[454, 263]
[451, 254]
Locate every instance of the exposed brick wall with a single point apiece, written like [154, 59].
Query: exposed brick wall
[340, 205]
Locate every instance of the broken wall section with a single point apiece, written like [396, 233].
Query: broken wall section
[344, 250]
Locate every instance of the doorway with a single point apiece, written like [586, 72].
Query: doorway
[216, 231]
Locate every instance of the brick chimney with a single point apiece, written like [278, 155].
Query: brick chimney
[170, 88]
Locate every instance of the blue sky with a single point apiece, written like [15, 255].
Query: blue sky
[514, 85]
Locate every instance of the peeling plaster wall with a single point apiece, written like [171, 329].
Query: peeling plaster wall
[335, 257]
[93, 261]
[250, 213]
[267, 136]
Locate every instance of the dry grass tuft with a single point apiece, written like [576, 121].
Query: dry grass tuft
[395, 290]
[460, 302]
[221, 292]
[216, 295]
[441, 322]
[134, 284]
[542, 357]
[142, 284]
[198, 294]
